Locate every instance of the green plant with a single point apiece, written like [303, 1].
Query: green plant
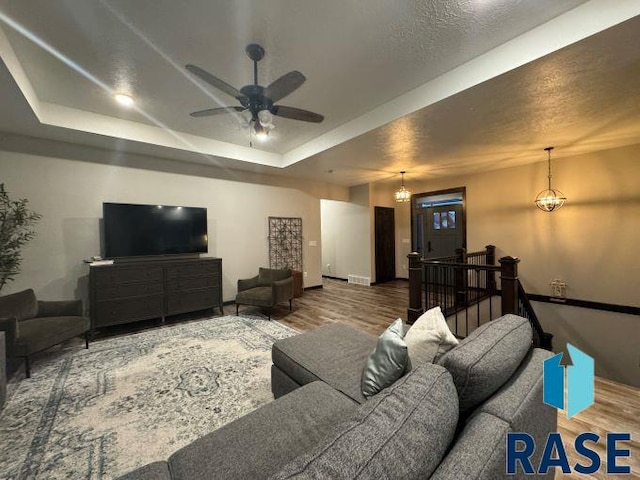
[16, 221]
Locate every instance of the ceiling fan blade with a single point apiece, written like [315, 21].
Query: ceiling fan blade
[216, 111]
[296, 114]
[215, 81]
[285, 85]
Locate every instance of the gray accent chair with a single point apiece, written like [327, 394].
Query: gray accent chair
[267, 289]
[32, 326]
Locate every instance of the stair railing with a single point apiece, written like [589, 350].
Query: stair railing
[466, 285]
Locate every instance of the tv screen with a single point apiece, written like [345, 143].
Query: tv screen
[138, 230]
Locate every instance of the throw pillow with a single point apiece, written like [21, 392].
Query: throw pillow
[429, 337]
[387, 362]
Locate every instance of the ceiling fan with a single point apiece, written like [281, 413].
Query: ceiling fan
[258, 100]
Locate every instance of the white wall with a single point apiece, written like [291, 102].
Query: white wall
[346, 248]
[69, 196]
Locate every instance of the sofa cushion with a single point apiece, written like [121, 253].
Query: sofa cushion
[37, 334]
[266, 276]
[334, 354]
[387, 362]
[260, 443]
[403, 432]
[478, 452]
[487, 358]
[22, 305]
[429, 337]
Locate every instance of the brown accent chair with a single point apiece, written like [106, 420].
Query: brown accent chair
[267, 289]
[32, 326]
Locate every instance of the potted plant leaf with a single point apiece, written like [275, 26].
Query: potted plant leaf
[16, 221]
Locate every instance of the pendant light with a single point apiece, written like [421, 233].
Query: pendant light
[549, 200]
[402, 195]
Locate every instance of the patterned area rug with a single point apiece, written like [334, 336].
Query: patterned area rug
[127, 401]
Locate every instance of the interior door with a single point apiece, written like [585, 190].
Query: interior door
[385, 244]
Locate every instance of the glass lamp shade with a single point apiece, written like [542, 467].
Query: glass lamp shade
[403, 195]
[550, 200]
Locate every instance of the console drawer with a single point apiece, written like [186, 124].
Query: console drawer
[114, 312]
[193, 269]
[192, 300]
[192, 283]
[125, 290]
[109, 275]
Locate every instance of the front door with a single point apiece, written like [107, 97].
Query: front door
[439, 227]
[443, 232]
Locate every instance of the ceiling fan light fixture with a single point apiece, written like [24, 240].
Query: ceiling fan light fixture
[260, 132]
[402, 195]
[123, 99]
[265, 117]
[550, 199]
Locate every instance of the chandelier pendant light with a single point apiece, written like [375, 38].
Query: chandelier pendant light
[402, 195]
[550, 199]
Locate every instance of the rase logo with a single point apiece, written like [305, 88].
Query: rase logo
[579, 381]
[567, 386]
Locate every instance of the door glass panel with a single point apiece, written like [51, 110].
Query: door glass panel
[452, 219]
[436, 220]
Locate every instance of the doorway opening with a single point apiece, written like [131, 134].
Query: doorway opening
[385, 244]
[438, 222]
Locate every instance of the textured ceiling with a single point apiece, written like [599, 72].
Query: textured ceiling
[360, 59]
[583, 98]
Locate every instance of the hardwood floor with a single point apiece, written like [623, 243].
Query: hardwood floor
[372, 309]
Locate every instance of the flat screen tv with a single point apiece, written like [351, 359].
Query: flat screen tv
[143, 230]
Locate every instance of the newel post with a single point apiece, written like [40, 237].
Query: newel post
[491, 260]
[509, 280]
[415, 288]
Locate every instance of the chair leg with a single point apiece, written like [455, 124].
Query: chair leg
[27, 367]
[86, 340]
[289, 304]
[237, 309]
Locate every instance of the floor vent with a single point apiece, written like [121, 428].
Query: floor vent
[360, 280]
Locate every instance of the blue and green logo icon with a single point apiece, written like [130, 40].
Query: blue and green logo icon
[576, 374]
[568, 385]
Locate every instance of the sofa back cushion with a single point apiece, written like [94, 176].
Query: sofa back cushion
[22, 305]
[479, 451]
[487, 358]
[266, 276]
[403, 432]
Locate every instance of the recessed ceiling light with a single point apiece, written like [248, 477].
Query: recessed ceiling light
[123, 99]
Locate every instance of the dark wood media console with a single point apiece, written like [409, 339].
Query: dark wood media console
[128, 292]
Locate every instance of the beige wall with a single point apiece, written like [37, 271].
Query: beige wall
[69, 195]
[346, 235]
[591, 243]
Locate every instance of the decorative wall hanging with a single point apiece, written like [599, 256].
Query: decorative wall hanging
[285, 243]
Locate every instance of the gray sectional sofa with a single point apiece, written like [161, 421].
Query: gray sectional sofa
[440, 421]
